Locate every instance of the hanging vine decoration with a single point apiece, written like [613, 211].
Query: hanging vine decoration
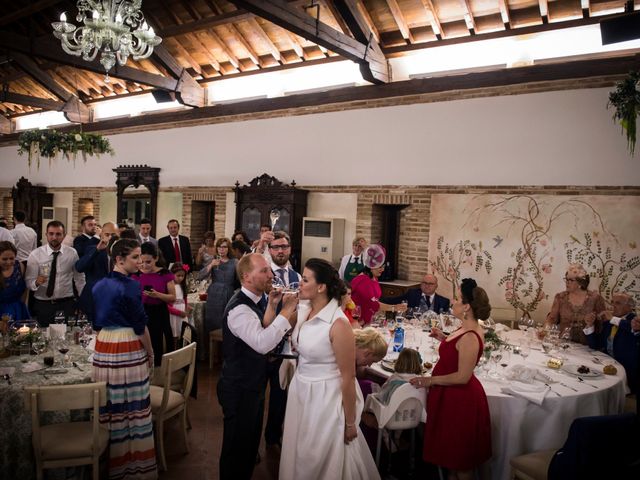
[51, 144]
[626, 100]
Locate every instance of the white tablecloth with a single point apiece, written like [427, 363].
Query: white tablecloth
[519, 426]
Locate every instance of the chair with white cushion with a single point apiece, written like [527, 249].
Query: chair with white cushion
[67, 444]
[167, 403]
[405, 411]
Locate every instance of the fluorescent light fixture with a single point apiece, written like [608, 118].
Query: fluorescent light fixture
[240, 100]
[320, 89]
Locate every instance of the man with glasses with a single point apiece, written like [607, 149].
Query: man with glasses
[95, 264]
[424, 297]
[285, 275]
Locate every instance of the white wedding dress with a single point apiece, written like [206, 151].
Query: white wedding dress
[313, 443]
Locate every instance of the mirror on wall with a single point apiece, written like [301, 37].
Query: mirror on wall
[137, 194]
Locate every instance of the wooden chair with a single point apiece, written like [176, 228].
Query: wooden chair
[167, 403]
[215, 340]
[67, 444]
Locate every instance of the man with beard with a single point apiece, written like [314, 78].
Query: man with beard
[51, 275]
[250, 329]
[88, 235]
[285, 275]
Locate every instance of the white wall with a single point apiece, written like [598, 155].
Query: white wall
[550, 138]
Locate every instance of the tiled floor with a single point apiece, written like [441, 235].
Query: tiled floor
[205, 438]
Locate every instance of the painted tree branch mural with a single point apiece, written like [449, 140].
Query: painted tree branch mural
[450, 259]
[621, 274]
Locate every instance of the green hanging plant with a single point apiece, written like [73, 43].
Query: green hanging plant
[626, 100]
[51, 144]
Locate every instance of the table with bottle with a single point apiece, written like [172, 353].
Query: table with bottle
[518, 370]
[44, 361]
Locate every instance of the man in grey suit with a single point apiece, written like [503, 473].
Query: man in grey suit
[145, 233]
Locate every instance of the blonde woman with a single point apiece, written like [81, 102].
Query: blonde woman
[577, 306]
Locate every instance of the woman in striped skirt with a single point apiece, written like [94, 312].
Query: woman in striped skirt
[123, 357]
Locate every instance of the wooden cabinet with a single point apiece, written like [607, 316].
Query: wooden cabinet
[397, 287]
[268, 201]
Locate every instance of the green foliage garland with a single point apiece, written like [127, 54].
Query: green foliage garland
[51, 143]
[626, 100]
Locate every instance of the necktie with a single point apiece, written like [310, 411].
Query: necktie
[281, 275]
[355, 260]
[52, 274]
[176, 250]
[145, 239]
[427, 300]
[262, 303]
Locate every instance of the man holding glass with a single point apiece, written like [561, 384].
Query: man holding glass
[51, 274]
[286, 278]
[424, 298]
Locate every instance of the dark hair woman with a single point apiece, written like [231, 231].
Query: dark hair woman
[321, 435]
[13, 290]
[123, 356]
[458, 428]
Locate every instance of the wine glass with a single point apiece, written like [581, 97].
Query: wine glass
[525, 350]
[496, 358]
[39, 345]
[506, 358]
[523, 324]
[63, 348]
[293, 287]
[356, 312]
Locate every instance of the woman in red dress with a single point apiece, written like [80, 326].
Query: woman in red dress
[458, 429]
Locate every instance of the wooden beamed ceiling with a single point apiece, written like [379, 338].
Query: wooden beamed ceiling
[206, 40]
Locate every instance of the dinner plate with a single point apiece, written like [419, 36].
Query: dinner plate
[572, 369]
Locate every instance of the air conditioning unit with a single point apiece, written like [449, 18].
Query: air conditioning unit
[323, 238]
[53, 213]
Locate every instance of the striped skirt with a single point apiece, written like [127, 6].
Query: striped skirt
[121, 361]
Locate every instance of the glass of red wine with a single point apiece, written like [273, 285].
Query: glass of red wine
[63, 348]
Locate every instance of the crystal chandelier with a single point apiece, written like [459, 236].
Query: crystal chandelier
[115, 28]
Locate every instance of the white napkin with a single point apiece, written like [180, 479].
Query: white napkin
[501, 327]
[91, 347]
[57, 330]
[32, 367]
[524, 374]
[7, 370]
[532, 392]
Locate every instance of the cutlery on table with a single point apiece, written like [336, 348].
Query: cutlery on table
[568, 386]
[557, 394]
[597, 360]
[582, 380]
[75, 364]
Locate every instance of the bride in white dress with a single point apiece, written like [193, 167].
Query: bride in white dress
[322, 439]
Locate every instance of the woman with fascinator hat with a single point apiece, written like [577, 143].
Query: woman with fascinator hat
[458, 429]
[365, 289]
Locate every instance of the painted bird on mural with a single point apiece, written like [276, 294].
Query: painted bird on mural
[498, 239]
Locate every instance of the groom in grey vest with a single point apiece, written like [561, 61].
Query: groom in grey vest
[250, 329]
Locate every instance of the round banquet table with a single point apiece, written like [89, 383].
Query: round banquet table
[519, 426]
[16, 453]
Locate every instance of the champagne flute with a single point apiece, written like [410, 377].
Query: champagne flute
[63, 348]
[525, 350]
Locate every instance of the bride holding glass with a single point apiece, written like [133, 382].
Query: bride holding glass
[321, 434]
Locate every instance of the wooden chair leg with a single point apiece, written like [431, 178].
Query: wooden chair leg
[160, 434]
[211, 352]
[184, 430]
[95, 475]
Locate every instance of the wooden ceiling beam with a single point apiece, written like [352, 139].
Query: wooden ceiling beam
[215, 21]
[367, 18]
[468, 17]
[188, 91]
[49, 50]
[232, 58]
[586, 8]
[26, 11]
[38, 102]
[257, 28]
[373, 64]
[504, 13]
[6, 125]
[330, 5]
[182, 52]
[544, 10]
[397, 15]
[203, 39]
[432, 15]
[295, 44]
[237, 34]
[74, 110]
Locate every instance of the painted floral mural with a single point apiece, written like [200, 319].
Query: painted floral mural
[519, 246]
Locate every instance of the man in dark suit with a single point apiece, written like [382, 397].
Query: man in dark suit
[175, 247]
[95, 266]
[424, 297]
[619, 336]
[250, 329]
[145, 233]
[88, 235]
